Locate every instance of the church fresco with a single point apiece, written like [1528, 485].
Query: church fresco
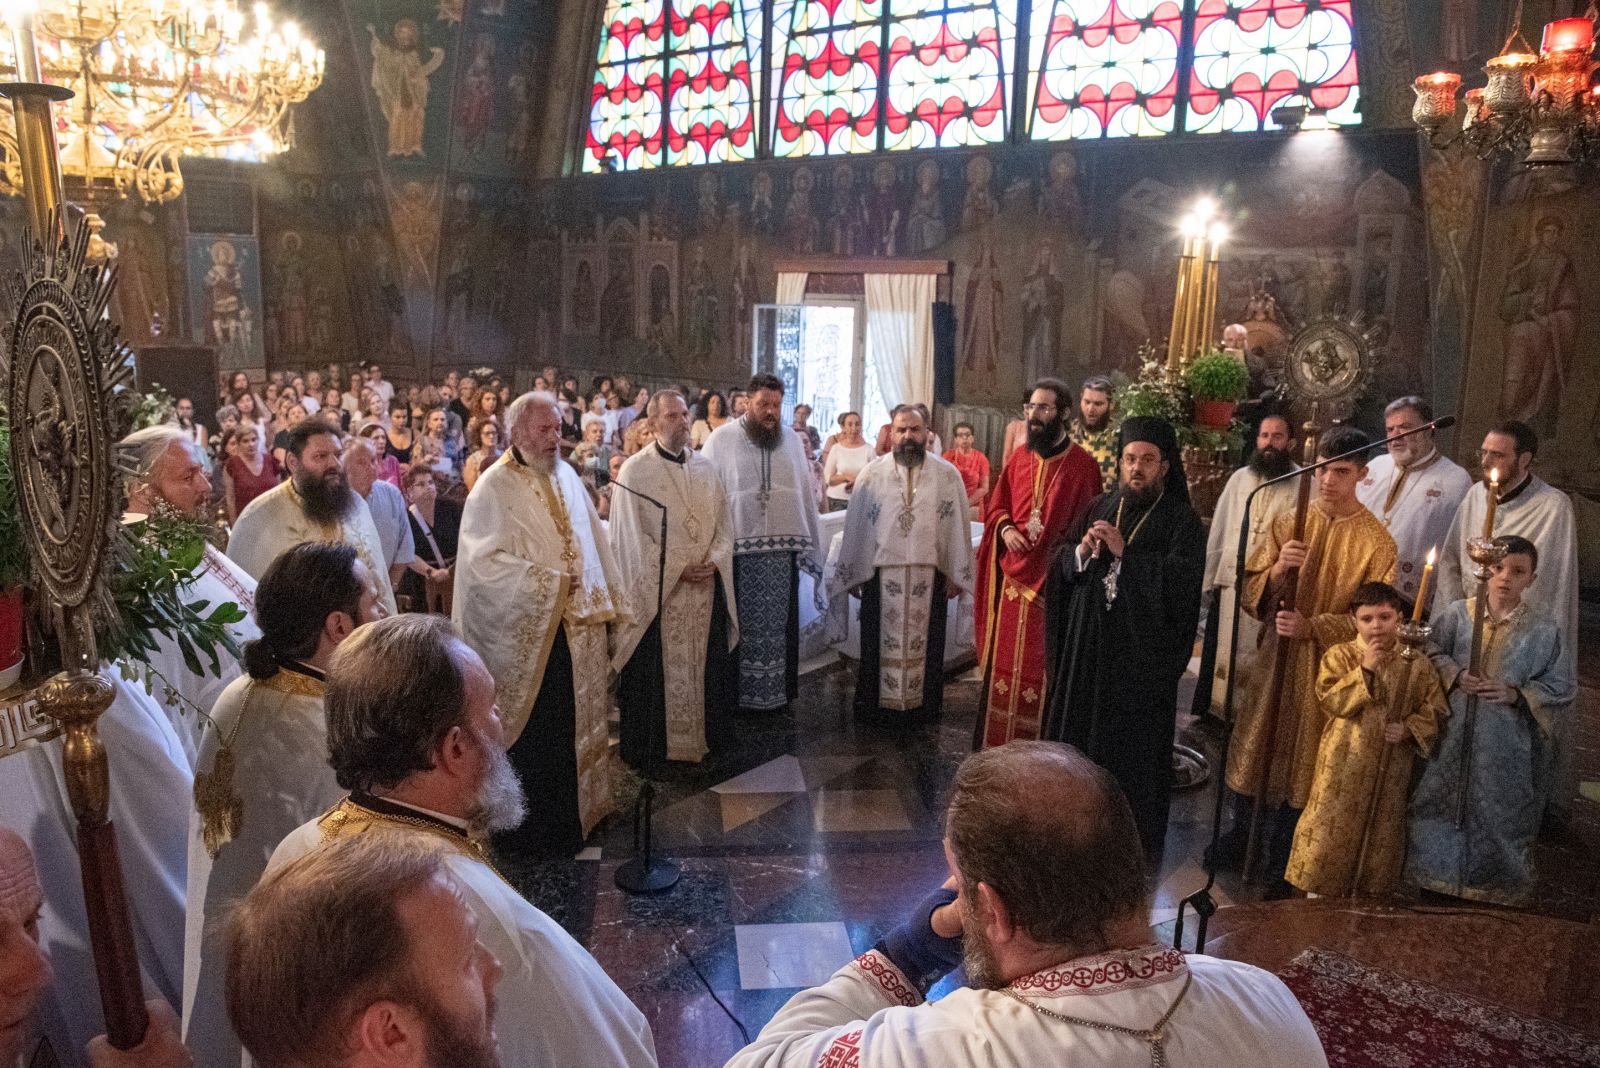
[225, 309]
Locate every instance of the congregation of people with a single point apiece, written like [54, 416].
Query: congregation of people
[454, 592]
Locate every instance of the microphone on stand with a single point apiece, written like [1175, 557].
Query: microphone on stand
[647, 873]
[1201, 900]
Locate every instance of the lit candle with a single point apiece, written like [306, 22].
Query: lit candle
[19, 13]
[1422, 587]
[1494, 500]
[1568, 35]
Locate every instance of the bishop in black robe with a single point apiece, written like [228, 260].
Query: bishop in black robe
[1122, 604]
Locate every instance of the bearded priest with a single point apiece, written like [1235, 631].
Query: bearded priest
[1120, 616]
[1041, 490]
[536, 585]
[316, 504]
[678, 676]
[907, 548]
[767, 475]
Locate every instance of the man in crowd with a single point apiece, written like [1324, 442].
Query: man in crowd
[764, 469]
[376, 383]
[679, 678]
[263, 767]
[907, 549]
[1095, 430]
[1344, 546]
[398, 974]
[1273, 458]
[973, 465]
[536, 585]
[315, 504]
[1120, 617]
[169, 479]
[1042, 489]
[26, 976]
[739, 402]
[1529, 508]
[423, 755]
[385, 503]
[1049, 913]
[1414, 488]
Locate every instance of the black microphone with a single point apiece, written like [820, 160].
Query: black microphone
[1441, 423]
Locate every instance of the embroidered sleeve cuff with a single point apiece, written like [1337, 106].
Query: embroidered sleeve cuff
[886, 978]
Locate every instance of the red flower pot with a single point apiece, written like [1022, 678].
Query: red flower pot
[10, 628]
[1214, 413]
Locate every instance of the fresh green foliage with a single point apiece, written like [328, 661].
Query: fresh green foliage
[1216, 376]
[158, 558]
[13, 543]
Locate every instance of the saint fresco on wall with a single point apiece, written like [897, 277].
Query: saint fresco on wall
[400, 74]
[225, 297]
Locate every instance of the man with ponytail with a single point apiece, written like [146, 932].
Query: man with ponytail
[263, 764]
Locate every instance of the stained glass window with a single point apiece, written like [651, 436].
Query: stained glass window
[674, 83]
[1252, 57]
[711, 81]
[1103, 68]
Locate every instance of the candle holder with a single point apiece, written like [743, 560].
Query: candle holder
[1413, 637]
[1436, 99]
[1485, 552]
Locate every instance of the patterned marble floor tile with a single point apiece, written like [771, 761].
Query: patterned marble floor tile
[859, 811]
[782, 775]
[781, 955]
[740, 808]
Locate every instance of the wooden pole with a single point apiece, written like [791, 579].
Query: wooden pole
[1413, 636]
[1288, 593]
[1485, 553]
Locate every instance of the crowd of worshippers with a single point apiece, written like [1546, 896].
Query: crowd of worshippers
[361, 772]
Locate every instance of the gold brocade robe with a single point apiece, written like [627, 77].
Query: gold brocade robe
[1344, 553]
[1328, 840]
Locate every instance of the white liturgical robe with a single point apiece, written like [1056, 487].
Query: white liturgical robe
[903, 525]
[699, 531]
[277, 739]
[533, 558]
[1417, 504]
[276, 522]
[1222, 562]
[869, 1015]
[557, 1007]
[218, 581]
[770, 494]
[151, 787]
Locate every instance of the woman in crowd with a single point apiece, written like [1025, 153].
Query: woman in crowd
[385, 466]
[399, 434]
[251, 414]
[850, 453]
[711, 413]
[248, 472]
[440, 451]
[571, 425]
[333, 408]
[592, 457]
[292, 414]
[435, 526]
[484, 433]
[351, 399]
[372, 407]
[195, 431]
[487, 406]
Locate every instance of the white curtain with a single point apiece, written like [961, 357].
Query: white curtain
[900, 335]
[792, 287]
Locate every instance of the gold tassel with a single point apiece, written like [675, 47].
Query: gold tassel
[219, 804]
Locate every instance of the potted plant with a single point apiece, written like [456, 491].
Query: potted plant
[1217, 383]
[13, 564]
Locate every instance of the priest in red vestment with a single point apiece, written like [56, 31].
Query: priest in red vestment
[1041, 490]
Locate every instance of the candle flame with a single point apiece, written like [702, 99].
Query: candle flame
[1494, 474]
[1433, 554]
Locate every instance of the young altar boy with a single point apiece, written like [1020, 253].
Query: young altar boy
[1523, 692]
[1354, 828]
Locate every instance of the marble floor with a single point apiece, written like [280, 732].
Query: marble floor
[811, 835]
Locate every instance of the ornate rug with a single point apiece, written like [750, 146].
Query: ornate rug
[1369, 1018]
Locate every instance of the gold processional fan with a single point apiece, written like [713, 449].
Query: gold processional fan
[1329, 367]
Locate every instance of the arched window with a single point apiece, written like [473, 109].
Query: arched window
[1252, 57]
[674, 84]
[709, 81]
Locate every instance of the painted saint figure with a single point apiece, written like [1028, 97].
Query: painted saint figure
[400, 78]
[1539, 304]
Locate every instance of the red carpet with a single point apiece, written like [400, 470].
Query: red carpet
[1375, 1019]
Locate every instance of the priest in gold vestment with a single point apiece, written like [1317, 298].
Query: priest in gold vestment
[536, 584]
[1343, 547]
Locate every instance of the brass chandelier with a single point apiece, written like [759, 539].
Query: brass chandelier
[1537, 107]
[153, 81]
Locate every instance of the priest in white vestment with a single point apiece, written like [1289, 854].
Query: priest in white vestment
[315, 504]
[907, 548]
[263, 768]
[767, 476]
[169, 474]
[558, 1009]
[151, 784]
[536, 584]
[1271, 459]
[677, 675]
[1530, 508]
[1051, 917]
[1414, 489]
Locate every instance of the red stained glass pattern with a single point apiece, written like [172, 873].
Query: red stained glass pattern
[827, 91]
[1252, 57]
[1104, 69]
[948, 74]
